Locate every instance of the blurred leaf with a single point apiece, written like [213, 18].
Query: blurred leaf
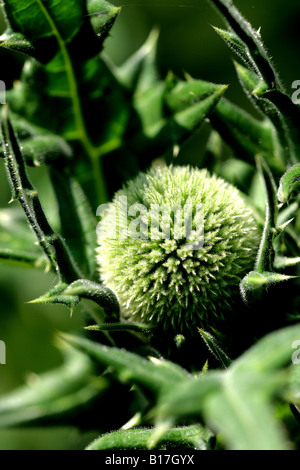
[53, 394]
[270, 353]
[213, 151]
[245, 417]
[23, 259]
[139, 71]
[49, 149]
[186, 105]
[282, 262]
[244, 134]
[195, 437]
[15, 232]
[17, 42]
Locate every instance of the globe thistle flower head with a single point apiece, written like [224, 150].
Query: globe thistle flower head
[174, 244]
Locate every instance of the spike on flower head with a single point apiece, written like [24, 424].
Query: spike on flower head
[174, 244]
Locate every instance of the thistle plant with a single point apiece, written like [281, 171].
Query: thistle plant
[157, 332]
[170, 274]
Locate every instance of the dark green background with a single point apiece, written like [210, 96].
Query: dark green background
[187, 43]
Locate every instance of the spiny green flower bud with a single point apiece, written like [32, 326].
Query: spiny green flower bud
[173, 245]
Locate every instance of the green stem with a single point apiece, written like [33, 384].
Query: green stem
[52, 244]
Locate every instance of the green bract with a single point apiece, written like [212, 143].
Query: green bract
[169, 278]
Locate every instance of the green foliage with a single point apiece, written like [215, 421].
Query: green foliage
[218, 387]
[234, 401]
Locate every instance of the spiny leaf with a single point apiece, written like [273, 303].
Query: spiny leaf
[289, 183]
[103, 296]
[57, 296]
[277, 106]
[248, 79]
[180, 95]
[195, 437]
[251, 82]
[139, 328]
[45, 26]
[215, 348]
[255, 282]
[235, 43]
[251, 38]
